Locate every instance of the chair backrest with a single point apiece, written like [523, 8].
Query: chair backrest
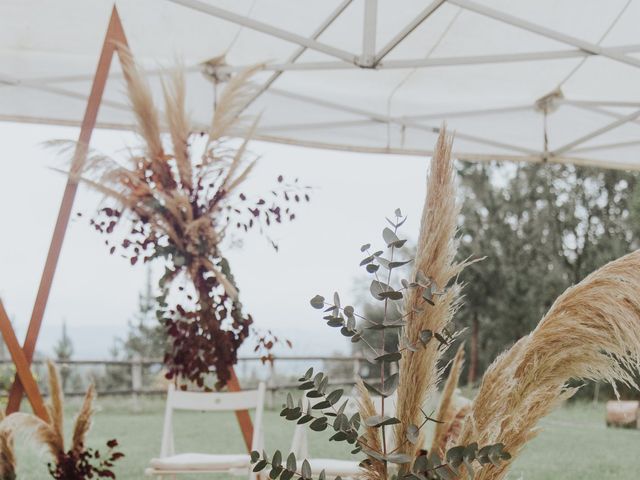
[300, 443]
[213, 402]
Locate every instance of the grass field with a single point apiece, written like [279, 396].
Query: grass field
[574, 443]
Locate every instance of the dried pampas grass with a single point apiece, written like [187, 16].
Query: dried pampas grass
[436, 250]
[55, 407]
[373, 470]
[447, 410]
[50, 434]
[592, 332]
[180, 197]
[7, 455]
[83, 421]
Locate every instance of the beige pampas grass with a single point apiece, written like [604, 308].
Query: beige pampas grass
[83, 421]
[591, 332]
[452, 433]
[447, 411]
[55, 407]
[373, 470]
[174, 173]
[50, 434]
[419, 370]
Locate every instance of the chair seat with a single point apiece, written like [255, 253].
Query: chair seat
[333, 467]
[198, 462]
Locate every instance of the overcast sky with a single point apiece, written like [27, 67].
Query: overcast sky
[96, 293]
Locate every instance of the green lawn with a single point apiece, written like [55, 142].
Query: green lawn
[574, 443]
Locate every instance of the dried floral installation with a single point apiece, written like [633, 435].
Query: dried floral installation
[591, 332]
[178, 200]
[421, 309]
[78, 462]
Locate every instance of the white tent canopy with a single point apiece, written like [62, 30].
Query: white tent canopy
[535, 80]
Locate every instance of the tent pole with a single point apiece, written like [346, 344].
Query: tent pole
[588, 47]
[267, 29]
[415, 23]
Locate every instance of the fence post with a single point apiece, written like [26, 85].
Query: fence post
[356, 369]
[136, 380]
[271, 384]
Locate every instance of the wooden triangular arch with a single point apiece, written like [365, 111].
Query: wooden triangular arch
[22, 357]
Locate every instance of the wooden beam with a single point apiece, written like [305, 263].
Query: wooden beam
[22, 366]
[115, 34]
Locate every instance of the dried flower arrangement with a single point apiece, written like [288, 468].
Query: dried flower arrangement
[589, 333]
[179, 201]
[78, 462]
[420, 311]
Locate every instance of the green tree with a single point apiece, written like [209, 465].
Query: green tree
[63, 351]
[145, 339]
[541, 228]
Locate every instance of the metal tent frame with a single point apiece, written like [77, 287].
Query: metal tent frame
[372, 56]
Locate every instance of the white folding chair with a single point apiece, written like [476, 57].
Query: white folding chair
[332, 467]
[169, 463]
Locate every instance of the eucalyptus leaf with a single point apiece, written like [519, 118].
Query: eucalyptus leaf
[380, 421]
[276, 461]
[454, 455]
[389, 236]
[258, 467]
[391, 295]
[413, 433]
[321, 405]
[390, 384]
[425, 337]
[421, 464]
[372, 268]
[377, 288]
[317, 302]
[305, 419]
[389, 357]
[399, 458]
[306, 470]
[334, 397]
[319, 424]
[291, 462]
[287, 474]
[367, 261]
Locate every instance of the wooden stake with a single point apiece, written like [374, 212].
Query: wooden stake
[115, 34]
[22, 366]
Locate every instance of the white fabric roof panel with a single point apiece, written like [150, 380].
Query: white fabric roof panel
[364, 75]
